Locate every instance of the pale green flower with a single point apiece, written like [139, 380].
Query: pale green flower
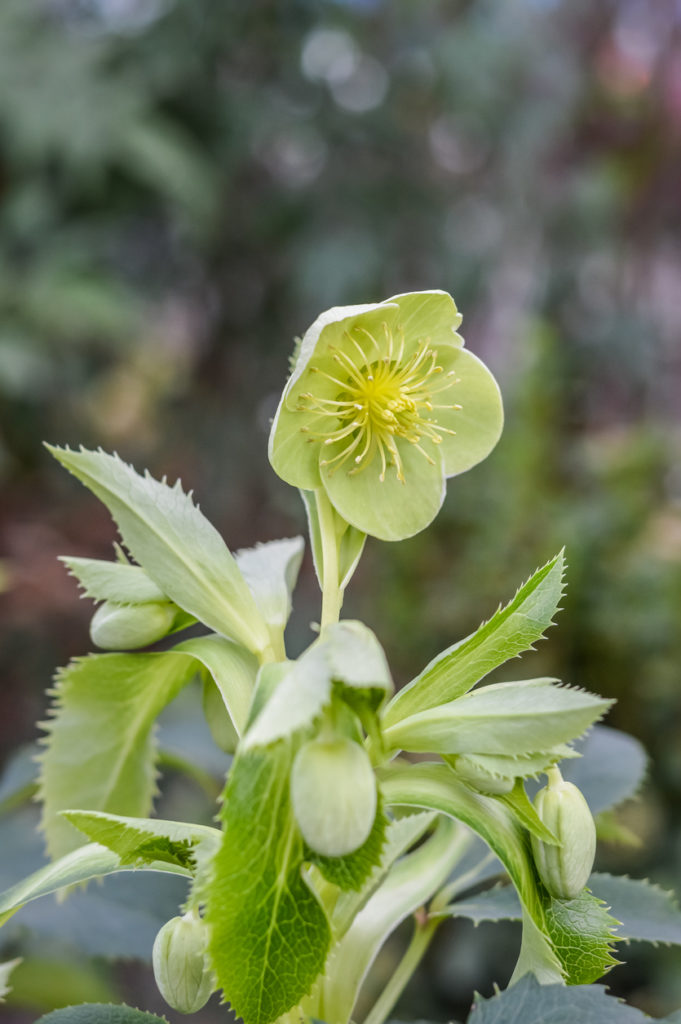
[383, 404]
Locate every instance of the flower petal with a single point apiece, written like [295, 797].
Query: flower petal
[479, 421]
[388, 509]
[431, 314]
[291, 457]
[331, 328]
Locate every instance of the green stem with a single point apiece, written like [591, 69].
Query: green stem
[332, 594]
[424, 931]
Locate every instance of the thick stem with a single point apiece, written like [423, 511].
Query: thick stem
[332, 594]
[424, 931]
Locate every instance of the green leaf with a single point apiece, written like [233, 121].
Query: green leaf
[80, 865]
[582, 933]
[610, 770]
[510, 719]
[113, 581]
[356, 662]
[174, 543]
[353, 870]
[528, 1002]
[519, 804]
[400, 835]
[407, 886]
[99, 1013]
[143, 841]
[6, 969]
[271, 571]
[269, 933]
[507, 634]
[500, 903]
[104, 709]
[347, 656]
[232, 668]
[518, 766]
[301, 691]
[349, 540]
[434, 787]
[646, 912]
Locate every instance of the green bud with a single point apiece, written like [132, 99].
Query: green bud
[181, 965]
[124, 627]
[333, 791]
[564, 869]
[475, 776]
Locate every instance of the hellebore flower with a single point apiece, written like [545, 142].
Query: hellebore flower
[383, 404]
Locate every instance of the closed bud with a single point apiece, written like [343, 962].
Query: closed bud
[564, 869]
[333, 791]
[181, 966]
[124, 627]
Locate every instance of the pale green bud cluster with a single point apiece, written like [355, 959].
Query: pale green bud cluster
[125, 627]
[333, 792]
[564, 868]
[181, 966]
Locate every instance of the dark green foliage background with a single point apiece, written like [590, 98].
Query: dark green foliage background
[185, 184]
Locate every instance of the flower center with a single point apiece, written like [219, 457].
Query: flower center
[382, 398]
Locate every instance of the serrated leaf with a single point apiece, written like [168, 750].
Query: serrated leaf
[582, 934]
[646, 912]
[6, 969]
[271, 571]
[269, 933]
[528, 1002]
[174, 543]
[347, 657]
[408, 884]
[356, 662]
[139, 841]
[91, 861]
[99, 1013]
[401, 834]
[502, 766]
[511, 719]
[610, 770]
[434, 786]
[353, 870]
[512, 630]
[232, 668]
[113, 581]
[293, 696]
[100, 750]
[500, 903]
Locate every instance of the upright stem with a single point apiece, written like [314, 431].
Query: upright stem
[332, 594]
[424, 931]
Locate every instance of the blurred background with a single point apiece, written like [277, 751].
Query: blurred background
[184, 186]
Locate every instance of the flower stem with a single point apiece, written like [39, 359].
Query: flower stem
[424, 930]
[332, 593]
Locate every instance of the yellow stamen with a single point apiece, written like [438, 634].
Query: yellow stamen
[382, 400]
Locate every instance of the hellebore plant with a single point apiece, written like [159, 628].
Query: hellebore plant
[329, 835]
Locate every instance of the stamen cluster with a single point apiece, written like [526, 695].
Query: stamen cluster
[383, 398]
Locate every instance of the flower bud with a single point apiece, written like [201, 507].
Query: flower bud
[181, 966]
[564, 869]
[333, 791]
[124, 627]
